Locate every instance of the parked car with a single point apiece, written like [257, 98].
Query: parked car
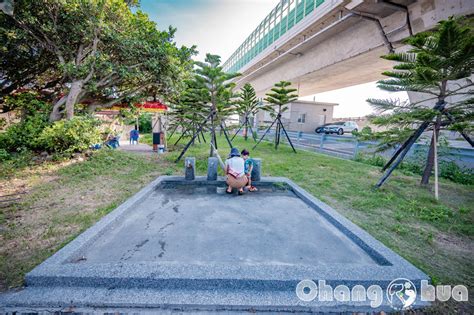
[339, 127]
[321, 129]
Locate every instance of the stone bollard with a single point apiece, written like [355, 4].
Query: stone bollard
[189, 167]
[212, 164]
[256, 170]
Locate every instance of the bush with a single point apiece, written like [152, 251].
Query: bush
[453, 172]
[4, 155]
[416, 165]
[366, 134]
[24, 135]
[69, 136]
[144, 122]
[373, 159]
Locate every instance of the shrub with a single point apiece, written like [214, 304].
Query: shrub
[69, 136]
[4, 155]
[416, 164]
[451, 171]
[144, 122]
[371, 159]
[24, 135]
[366, 134]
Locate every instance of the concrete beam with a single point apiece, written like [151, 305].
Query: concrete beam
[341, 51]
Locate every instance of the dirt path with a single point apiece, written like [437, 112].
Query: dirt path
[135, 148]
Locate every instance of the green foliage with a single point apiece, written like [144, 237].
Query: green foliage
[416, 164]
[366, 134]
[101, 51]
[189, 110]
[24, 61]
[144, 123]
[372, 159]
[280, 96]
[69, 136]
[4, 155]
[277, 100]
[13, 162]
[209, 91]
[247, 103]
[438, 64]
[212, 86]
[453, 172]
[24, 135]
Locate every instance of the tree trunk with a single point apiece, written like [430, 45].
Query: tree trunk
[55, 113]
[425, 179]
[246, 128]
[277, 131]
[213, 134]
[76, 89]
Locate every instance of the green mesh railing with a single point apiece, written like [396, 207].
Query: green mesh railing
[281, 19]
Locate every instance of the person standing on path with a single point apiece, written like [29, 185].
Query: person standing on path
[134, 135]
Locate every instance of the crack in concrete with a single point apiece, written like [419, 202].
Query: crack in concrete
[150, 218]
[164, 227]
[163, 250]
[131, 252]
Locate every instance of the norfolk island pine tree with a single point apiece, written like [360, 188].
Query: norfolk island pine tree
[439, 64]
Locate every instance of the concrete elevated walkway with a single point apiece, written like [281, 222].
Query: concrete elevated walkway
[340, 43]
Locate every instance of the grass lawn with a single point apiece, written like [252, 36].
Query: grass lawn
[63, 200]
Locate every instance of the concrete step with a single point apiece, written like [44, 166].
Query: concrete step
[82, 298]
[157, 282]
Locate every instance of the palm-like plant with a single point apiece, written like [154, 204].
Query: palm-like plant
[247, 105]
[439, 65]
[278, 100]
[212, 88]
[188, 111]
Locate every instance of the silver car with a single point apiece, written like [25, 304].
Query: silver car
[341, 127]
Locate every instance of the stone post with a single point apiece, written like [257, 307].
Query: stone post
[256, 170]
[212, 164]
[189, 168]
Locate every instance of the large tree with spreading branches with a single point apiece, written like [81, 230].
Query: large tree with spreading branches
[440, 65]
[91, 54]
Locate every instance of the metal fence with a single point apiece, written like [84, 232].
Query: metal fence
[348, 147]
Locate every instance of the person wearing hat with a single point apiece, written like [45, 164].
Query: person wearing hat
[235, 172]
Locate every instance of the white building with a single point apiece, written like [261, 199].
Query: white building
[302, 115]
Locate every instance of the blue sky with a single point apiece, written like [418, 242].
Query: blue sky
[215, 26]
[220, 26]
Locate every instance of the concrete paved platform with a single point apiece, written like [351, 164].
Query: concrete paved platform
[196, 226]
[178, 245]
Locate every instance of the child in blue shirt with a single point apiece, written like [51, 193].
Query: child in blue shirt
[248, 165]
